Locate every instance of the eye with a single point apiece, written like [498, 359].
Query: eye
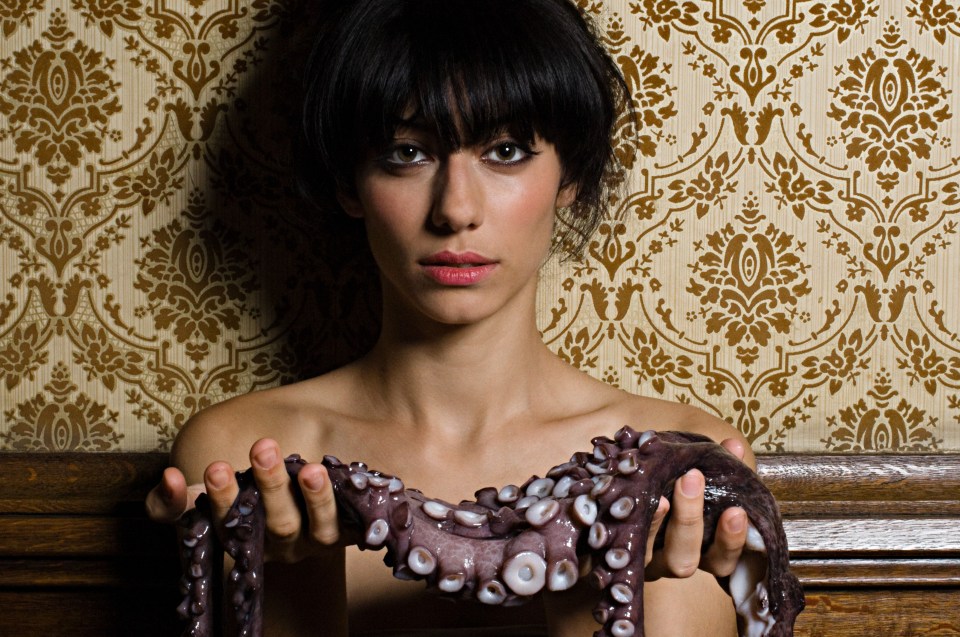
[508, 152]
[405, 154]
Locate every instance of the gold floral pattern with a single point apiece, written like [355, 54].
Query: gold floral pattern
[650, 363]
[846, 15]
[749, 281]
[780, 251]
[104, 12]
[58, 98]
[889, 104]
[845, 363]
[940, 16]
[155, 184]
[882, 421]
[22, 354]
[661, 14]
[925, 365]
[15, 12]
[196, 278]
[60, 419]
[100, 358]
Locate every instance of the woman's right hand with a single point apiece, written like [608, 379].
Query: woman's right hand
[290, 537]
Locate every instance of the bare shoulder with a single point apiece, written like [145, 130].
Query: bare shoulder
[293, 415]
[597, 404]
[664, 415]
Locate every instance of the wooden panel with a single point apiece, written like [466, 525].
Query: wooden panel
[158, 572]
[920, 536]
[130, 611]
[860, 573]
[82, 536]
[880, 613]
[797, 479]
[78, 556]
[874, 539]
[77, 483]
[857, 522]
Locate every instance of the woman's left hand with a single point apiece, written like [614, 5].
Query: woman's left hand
[681, 553]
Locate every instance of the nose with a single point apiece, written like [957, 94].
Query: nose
[458, 195]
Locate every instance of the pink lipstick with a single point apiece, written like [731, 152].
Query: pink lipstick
[458, 269]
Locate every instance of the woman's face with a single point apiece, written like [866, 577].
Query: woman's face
[459, 236]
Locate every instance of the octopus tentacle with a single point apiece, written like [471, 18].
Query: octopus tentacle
[201, 562]
[513, 542]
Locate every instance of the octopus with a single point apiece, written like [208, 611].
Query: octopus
[588, 517]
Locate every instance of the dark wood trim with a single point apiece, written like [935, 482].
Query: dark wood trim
[823, 479]
[890, 612]
[77, 482]
[874, 539]
[78, 555]
[869, 521]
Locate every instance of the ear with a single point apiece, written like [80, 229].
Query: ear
[350, 204]
[566, 196]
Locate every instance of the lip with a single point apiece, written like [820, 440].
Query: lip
[458, 269]
[448, 258]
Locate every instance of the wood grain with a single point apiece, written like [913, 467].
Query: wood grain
[823, 478]
[880, 613]
[874, 539]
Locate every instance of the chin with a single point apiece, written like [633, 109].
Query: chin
[458, 317]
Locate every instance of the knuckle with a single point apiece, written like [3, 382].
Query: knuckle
[271, 483]
[655, 527]
[325, 534]
[285, 530]
[723, 568]
[321, 501]
[730, 546]
[687, 519]
[323, 523]
[221, 502]
[683, 567]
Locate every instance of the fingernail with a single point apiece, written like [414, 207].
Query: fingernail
[737, 523]
[313, 481]
[218, 478]
[266, 458]
[690, 484]
[166, 492]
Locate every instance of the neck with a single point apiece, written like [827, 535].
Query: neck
[458, 381]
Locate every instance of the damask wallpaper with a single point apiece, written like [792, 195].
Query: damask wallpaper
[784, 254]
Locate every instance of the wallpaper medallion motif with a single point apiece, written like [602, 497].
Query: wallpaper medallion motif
[783, 254]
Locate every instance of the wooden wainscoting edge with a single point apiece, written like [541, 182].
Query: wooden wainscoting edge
[869, 520]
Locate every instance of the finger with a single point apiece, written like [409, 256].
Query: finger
[221, 483]
[169, 499]
[734, 446]
[270, 472]
[662, 509]
[320, 503]
[722, 556]
[193, 491]
[684, 534]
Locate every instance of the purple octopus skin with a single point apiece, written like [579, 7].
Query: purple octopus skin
[589, 515]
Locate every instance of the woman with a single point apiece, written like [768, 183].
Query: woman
[454, 130]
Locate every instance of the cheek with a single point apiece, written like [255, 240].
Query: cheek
[534, 205]
[391, 211]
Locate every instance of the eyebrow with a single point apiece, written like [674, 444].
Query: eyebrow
[417, 121]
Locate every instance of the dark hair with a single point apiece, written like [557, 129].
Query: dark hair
[468, 69]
